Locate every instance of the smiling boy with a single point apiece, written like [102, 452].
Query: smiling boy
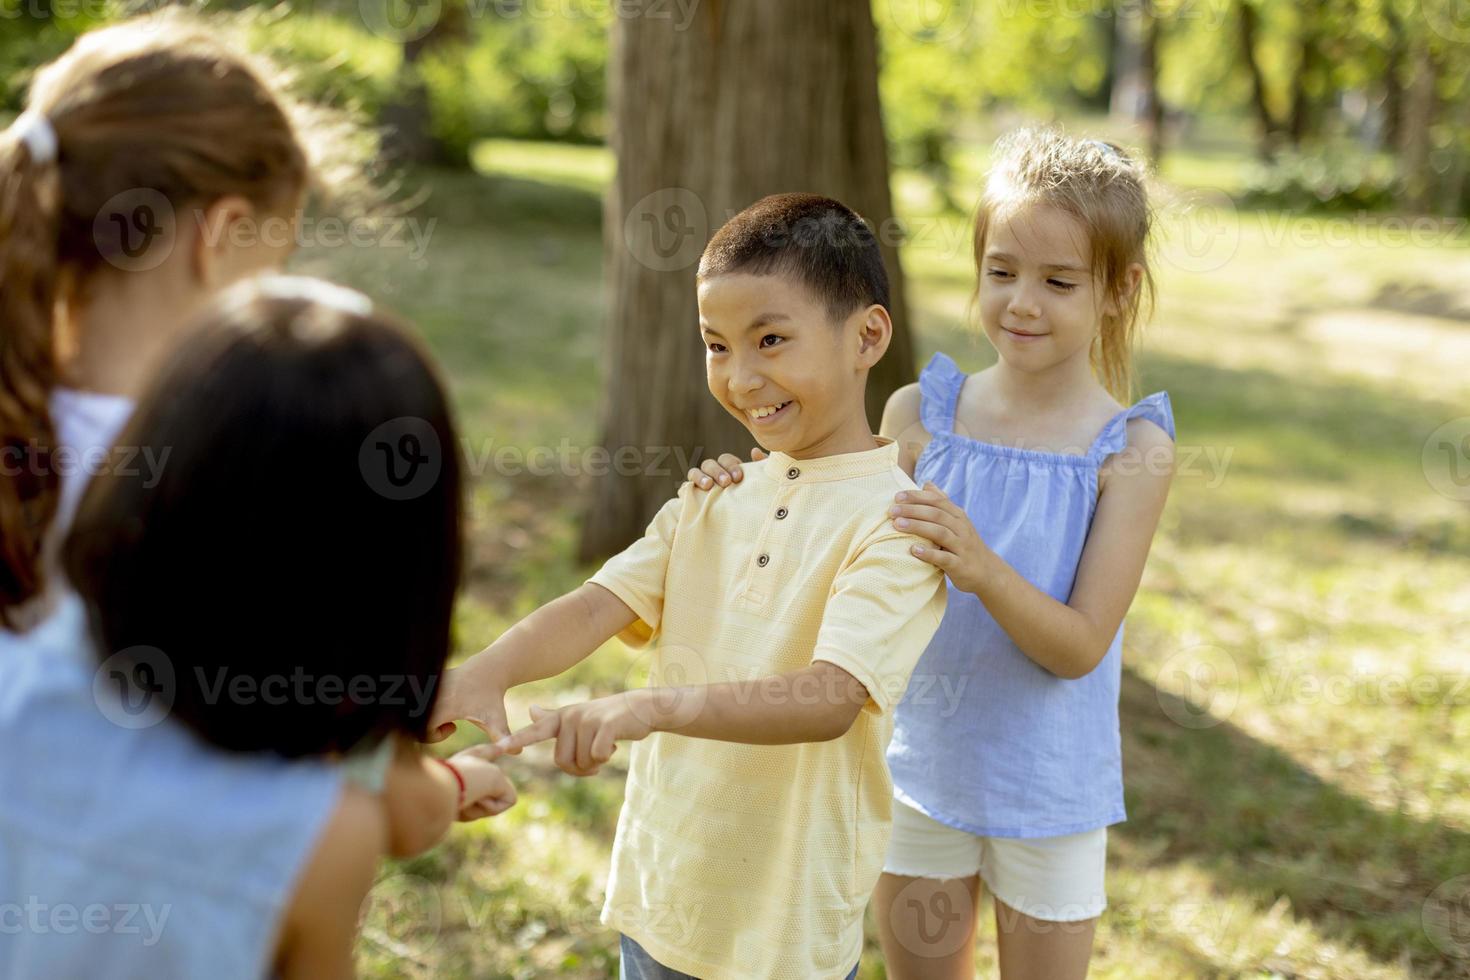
[785, 617]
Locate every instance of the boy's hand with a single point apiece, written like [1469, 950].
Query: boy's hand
[586, 734]
[724, 471]
[955, 547]
[487, 790]
[478, 699]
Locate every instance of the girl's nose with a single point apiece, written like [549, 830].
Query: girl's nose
[1023, 304]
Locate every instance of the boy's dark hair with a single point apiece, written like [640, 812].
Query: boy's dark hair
[820, 241]
[272, 547]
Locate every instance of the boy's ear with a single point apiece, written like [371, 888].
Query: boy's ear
[875, 333]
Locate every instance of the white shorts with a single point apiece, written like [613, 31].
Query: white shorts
[1055, 879]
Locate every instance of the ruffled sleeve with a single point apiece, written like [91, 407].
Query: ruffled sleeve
[939, 390]
[1114, 436]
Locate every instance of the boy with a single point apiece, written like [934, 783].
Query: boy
[787, 615]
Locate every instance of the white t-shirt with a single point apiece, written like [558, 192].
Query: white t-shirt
[87, 424]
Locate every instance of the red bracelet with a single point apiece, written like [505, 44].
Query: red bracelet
[458, 777]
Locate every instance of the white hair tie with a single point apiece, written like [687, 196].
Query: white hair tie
[34, 130]
[313, 290]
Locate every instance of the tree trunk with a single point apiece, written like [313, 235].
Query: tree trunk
[1301, 122]
[408, 117]
[1267, 128]
[745, 99]
[1414, 135]
[1393, 86]
[1149, 70]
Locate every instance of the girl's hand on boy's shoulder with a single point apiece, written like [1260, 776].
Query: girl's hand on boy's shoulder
[725, 471]
[953, 544]
[586, 734]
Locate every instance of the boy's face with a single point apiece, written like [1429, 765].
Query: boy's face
[778, 363]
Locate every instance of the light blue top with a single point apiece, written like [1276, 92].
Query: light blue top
[137, 852]
[985, 739]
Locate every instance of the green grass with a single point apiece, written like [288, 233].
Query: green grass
[1277, 829]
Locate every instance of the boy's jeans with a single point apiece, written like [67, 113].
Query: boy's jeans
[638, 965]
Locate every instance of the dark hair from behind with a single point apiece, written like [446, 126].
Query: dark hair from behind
[265, 549]
[817, 240]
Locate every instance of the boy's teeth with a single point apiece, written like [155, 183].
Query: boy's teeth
[761, 413]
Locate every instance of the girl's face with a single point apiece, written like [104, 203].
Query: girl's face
[1039, 304]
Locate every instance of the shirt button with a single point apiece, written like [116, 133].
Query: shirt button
[763, 560]
[781, 514]
[793, 473]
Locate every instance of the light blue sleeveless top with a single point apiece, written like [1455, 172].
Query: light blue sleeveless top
[985, 739]
[137, 852]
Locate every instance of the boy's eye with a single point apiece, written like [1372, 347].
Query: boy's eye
[771, 337]
[716, 348]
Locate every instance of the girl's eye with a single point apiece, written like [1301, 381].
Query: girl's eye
[770, 336]
[998, 274]
[1065, 287]
[717, 348]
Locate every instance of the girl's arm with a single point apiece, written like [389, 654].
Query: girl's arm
[421, 798]
[1069, 639]
[320, 926]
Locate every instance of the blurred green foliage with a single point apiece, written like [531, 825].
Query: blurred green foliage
[1337, 77]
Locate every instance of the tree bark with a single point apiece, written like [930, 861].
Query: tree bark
[1414, 129]
[1149, 69]
[1267, 129]
[1302, 121]
[749, 98]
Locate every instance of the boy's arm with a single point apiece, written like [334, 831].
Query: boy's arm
[553, 639]
[814, 704]
[565, 631]
[883, 611]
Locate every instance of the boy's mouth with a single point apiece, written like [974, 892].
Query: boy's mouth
[766, 414]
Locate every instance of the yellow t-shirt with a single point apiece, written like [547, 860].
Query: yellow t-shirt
[743, 862]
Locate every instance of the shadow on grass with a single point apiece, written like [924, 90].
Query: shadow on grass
[1266, 828]
[1315, 429]
[1421, 299]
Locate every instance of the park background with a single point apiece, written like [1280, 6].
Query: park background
[1296, 699]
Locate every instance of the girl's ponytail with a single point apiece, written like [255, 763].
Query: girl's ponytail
[30, 215]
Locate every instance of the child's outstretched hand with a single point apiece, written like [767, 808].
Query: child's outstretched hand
[478, 700]
[586, 734]
[955, 546]
[724, 471]
[487, 790]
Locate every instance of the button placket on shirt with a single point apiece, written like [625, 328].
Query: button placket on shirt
[782, 512]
